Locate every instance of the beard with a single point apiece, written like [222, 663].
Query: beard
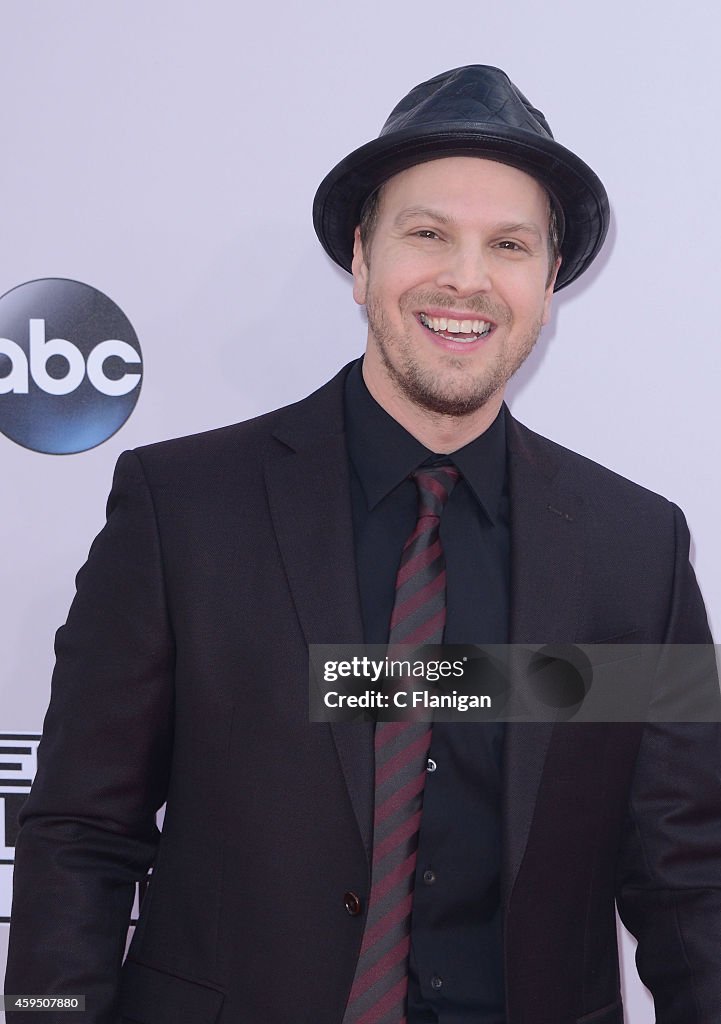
[451, 390]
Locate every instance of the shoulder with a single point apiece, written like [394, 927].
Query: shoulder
[597, 486]
[247, 443]
[632, 543]
[624, 523]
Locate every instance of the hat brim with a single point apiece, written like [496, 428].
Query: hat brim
[572, 184]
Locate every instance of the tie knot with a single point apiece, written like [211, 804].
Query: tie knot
[434, 484]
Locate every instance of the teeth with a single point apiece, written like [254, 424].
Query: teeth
[442, 323]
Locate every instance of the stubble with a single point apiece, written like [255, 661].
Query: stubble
[451, 390]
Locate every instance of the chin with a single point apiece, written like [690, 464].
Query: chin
[449, 400]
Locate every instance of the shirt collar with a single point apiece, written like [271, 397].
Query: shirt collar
[384, 454]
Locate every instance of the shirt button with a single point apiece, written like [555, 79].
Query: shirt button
[431, 765]
[429, 877]
[436, 982]
[352, 904]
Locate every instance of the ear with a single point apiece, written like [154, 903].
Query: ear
[549, 293]
[359, 269]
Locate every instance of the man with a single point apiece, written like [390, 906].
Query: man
[400, 502]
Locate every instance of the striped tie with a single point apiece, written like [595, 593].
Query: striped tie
[380, 987]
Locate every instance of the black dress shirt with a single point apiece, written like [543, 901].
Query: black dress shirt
[456, 972]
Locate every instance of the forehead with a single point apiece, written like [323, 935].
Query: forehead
[466, 186]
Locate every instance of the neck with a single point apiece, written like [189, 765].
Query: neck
[439, 433]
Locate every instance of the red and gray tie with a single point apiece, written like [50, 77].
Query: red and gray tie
[380, 987]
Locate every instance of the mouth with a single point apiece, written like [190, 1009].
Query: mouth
[461, 331]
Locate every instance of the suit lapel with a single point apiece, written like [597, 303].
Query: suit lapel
[307, 479]
[547, 540]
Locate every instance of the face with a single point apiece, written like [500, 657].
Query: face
[457, 284]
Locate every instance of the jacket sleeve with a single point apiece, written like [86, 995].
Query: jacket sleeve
[88, 829]
[669, 878]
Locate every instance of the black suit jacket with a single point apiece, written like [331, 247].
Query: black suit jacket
[182, 675]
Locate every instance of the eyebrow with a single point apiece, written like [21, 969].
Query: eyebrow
[422, 211]
[521, 228]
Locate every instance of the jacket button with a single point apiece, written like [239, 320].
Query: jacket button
[352, 904]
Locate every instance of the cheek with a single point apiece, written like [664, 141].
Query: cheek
[528, 301]
[360, 291]
[360, 282]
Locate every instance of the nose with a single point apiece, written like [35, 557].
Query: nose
[465, 270]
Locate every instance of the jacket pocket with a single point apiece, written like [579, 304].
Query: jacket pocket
[150, 996]
[611, 1014]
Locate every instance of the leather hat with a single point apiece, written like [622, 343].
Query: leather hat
[469, 111]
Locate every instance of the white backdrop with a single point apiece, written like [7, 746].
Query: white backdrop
[168, 154]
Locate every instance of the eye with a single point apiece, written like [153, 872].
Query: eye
[426, 233]
[510, 246]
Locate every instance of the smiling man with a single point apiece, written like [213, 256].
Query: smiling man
[463, 274]
[389, 872]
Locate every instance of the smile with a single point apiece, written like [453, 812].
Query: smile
[447, 327]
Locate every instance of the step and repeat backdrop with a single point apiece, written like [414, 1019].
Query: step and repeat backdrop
[159, 274]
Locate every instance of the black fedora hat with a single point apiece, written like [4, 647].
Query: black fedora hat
[470, 111]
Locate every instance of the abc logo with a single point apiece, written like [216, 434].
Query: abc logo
[70, 366]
